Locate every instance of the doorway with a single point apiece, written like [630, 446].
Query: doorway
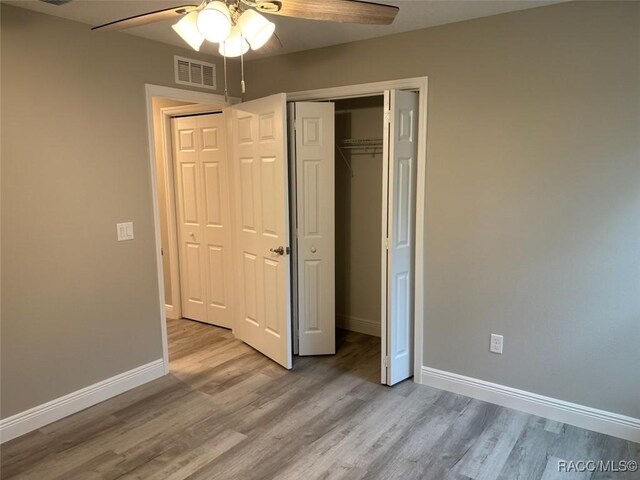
[209, 232]
[375, 241]
[164, 103]
[336, 208]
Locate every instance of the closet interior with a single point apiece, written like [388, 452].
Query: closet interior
[358, 203]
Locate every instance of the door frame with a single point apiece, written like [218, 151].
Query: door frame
[202, 100]
[420, 85]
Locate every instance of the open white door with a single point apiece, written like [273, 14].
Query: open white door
[203, 213]
[399, 192]
[314, 167]
[259, 158]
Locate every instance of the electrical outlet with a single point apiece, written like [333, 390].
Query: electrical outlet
[496, 343]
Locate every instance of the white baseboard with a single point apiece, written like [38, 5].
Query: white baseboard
[581, 416]
[49, 412]
[357, 324]
[169, 311]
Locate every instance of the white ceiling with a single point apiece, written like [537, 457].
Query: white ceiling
[295, 34]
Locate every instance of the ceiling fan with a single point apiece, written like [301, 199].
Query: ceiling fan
[342, 11]
[237, 25]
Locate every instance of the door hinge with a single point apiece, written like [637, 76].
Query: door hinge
[386, 361]
[162, 252]
[387, 242]
[387, 116]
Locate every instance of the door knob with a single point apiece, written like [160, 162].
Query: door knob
[191, 234]
[313, 250]
[278, 251]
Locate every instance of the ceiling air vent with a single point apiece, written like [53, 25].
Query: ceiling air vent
[194, 72]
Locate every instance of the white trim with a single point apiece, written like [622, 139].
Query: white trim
[152, 91]
[169, 197]
[183, 95]
[421, 85]
[384, 234]
[358, 90]
[581, 416]
[357, 324]
[192, 109]
[170, 311]
[49, 412]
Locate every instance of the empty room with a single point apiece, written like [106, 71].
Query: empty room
[297, 239]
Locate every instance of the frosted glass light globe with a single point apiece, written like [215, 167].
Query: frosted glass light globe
[214, 22]
[235, 44]
[188, 30]
[255, 28]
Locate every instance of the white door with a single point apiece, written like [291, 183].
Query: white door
[399, 192]
[259, 158]
[203, 214]
[315, 226]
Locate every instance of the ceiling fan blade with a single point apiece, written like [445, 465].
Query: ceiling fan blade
[146, 18]
[57, 3]
[342, 11]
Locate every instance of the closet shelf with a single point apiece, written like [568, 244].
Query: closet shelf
[352, 143]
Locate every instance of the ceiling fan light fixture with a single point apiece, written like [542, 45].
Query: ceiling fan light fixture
[235, 44]
[214, 22]
[255, 28]
[188, 30]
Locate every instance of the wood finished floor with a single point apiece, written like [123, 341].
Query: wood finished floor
[227, 412]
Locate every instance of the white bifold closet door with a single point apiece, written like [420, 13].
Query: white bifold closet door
[261, 242]
[314, 217]
[203, 215]
[399, 199]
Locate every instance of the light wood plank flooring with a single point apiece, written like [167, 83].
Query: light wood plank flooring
[227, 412]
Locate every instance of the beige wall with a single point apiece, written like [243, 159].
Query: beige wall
[358, 212]
[533, 190]
[77, 306]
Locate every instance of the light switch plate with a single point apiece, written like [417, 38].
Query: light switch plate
[125, 231]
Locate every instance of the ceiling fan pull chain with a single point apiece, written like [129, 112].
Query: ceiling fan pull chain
[226, 92]
[242, 86]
